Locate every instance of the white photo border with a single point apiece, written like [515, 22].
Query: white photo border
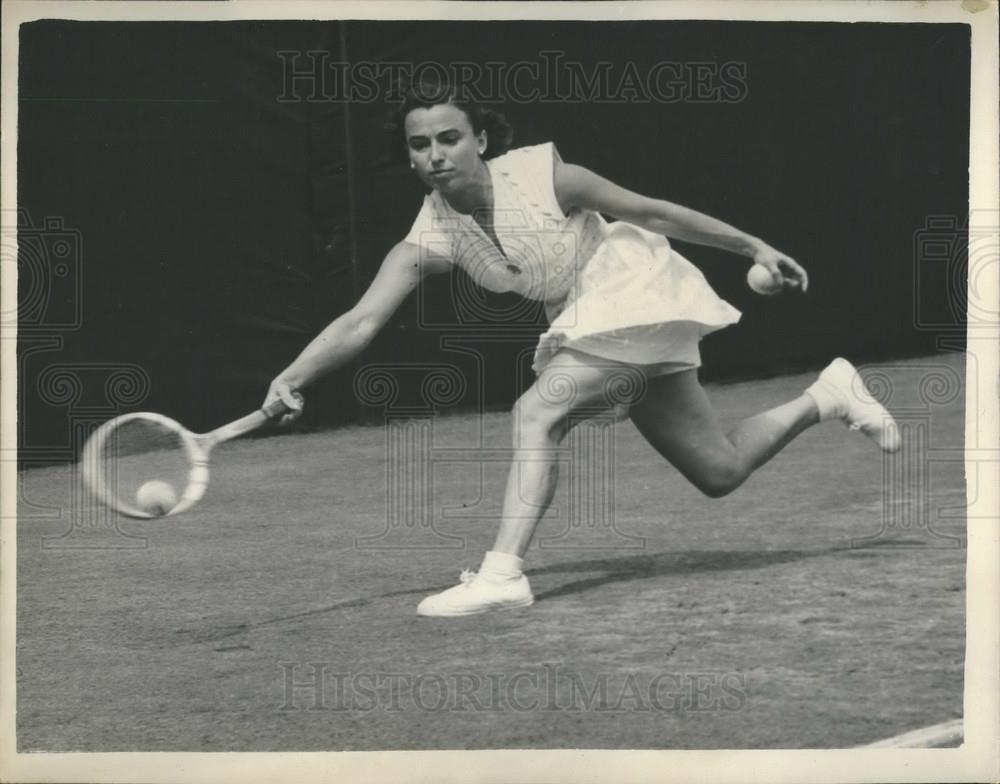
[976, 760]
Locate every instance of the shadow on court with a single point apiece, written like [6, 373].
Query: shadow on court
[646, 567]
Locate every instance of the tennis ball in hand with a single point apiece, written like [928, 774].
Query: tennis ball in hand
[156, 497]
[759, 279]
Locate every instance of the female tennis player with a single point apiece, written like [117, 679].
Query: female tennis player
[626, 313]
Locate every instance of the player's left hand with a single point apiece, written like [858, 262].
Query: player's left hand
[784, 269]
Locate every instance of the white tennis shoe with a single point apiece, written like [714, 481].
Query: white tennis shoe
[478, 593]
[855, 405]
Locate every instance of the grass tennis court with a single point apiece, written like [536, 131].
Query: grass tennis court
[797, 612]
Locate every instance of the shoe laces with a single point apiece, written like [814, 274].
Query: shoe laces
[467, 576]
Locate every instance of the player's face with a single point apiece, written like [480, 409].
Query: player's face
[443, 147]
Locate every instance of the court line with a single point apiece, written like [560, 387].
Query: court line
[947, 732]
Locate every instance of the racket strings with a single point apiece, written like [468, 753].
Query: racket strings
[144, 464]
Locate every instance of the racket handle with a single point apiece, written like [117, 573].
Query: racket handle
[242, 426]
[277, 408]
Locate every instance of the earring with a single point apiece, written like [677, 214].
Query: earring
[413, 165]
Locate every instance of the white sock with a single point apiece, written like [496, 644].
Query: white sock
[501, 566]
[829, 400]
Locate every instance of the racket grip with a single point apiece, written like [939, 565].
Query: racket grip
[277, 408]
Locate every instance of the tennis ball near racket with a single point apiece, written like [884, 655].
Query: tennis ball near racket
[156, 497]
[759, 279]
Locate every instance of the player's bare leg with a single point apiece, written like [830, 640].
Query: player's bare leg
[678, 420]
[571, 388]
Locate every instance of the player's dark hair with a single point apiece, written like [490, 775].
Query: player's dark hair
[425, 93]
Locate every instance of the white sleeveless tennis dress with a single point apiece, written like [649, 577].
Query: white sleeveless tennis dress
[611, 290]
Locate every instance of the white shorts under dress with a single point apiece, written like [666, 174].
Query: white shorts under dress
[613, 291]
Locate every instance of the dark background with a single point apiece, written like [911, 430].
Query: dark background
[177, 217]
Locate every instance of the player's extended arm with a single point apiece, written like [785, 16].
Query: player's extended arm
[401, 272]
[576, 186]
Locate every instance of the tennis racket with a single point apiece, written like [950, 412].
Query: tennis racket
[148, 465]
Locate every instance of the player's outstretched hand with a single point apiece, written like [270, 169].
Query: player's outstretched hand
[283, 391]
[784, 269]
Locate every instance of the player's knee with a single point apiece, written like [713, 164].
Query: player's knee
[537, 422]
[720, 480]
